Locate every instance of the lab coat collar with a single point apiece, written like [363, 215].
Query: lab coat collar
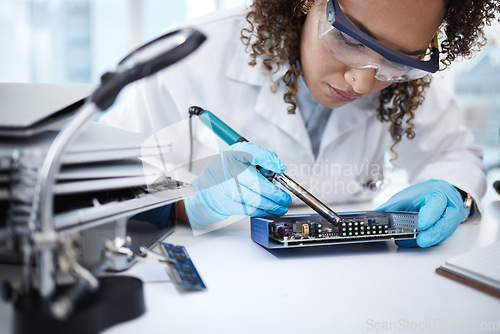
[291, 124]
[343, 119]
[240, 70]
[266, 104]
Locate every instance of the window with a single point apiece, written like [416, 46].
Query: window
[476, 85]
[71, 41]
[74, 41]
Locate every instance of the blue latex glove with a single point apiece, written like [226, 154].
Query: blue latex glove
[440, 210]
[229, 185]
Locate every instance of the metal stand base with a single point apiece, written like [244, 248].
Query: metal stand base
[118, 299]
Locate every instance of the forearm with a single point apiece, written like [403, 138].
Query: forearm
[180, 211]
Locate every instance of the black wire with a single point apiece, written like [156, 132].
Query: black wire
[193, 111]
[190, 142]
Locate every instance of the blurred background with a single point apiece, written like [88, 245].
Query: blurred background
[75, 41]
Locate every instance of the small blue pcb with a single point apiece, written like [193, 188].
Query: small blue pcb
[182, 270]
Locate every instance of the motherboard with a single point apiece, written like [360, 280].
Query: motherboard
[304, 230]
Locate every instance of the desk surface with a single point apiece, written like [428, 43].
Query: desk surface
[334, 289]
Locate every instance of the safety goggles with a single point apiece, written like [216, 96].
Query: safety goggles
[354, 48]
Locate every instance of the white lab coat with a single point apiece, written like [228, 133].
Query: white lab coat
[217, 77]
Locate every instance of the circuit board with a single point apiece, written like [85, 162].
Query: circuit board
[310, 230]
[181, 268]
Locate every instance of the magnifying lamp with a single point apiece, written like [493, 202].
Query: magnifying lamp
[146, 60]
[142, 62]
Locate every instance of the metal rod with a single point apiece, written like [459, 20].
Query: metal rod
[308, 198]
[65, 304]
[44, 194]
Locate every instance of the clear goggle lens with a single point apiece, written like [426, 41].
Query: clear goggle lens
[354, 54]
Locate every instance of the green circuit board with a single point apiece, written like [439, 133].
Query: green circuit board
[362, 228]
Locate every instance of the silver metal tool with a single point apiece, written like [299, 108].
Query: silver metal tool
[308, 198]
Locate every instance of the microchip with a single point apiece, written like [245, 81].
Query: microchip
[181, 269]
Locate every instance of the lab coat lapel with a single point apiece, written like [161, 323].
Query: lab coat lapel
[347, 118]
[268, 104]
[271, 106]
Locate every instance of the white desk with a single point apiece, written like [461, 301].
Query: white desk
[357, 288]
[334, 289]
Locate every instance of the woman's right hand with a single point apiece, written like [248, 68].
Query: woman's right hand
[230, 185]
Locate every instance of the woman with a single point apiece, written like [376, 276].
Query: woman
[329, 86]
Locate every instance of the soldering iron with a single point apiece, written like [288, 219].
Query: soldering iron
[231, 137]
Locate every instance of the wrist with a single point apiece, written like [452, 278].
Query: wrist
[468, 202]
[198, 213]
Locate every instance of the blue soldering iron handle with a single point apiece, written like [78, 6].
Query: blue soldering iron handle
[217, 126]
[231, 137]
[225, 133]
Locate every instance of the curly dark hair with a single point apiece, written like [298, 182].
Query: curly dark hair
[275, 31]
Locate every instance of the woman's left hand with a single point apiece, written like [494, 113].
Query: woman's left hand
[440, 210]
